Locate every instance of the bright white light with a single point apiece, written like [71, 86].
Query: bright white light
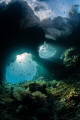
[22, 69]
[46, 51]
[52, 8]
[22, 57]
[34, 0]
[44, 11]
[6, 1]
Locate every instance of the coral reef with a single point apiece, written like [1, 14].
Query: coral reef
[70, 57]
[41, 101]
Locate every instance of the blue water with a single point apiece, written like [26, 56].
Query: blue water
[22, 69]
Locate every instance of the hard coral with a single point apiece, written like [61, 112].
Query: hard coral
[70, 57]
[21, 94]
[39, 96]
[73, 95]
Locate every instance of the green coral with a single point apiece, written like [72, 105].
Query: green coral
[40, 97]
[30, 103]
[21, 93]
[70, 57]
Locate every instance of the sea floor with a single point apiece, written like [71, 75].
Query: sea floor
[41, 100]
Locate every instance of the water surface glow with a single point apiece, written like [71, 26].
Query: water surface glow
[50, 8]
[22, 69]
[46, 51]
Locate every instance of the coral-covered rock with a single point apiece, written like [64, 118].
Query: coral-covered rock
[70, 57]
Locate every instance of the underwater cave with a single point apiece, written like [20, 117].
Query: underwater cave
[39, 60]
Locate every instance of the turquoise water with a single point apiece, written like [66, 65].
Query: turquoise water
[22, 69]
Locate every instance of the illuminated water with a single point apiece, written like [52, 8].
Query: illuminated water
[22, 69]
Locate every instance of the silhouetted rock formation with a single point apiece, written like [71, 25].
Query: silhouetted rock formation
[19, 29]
